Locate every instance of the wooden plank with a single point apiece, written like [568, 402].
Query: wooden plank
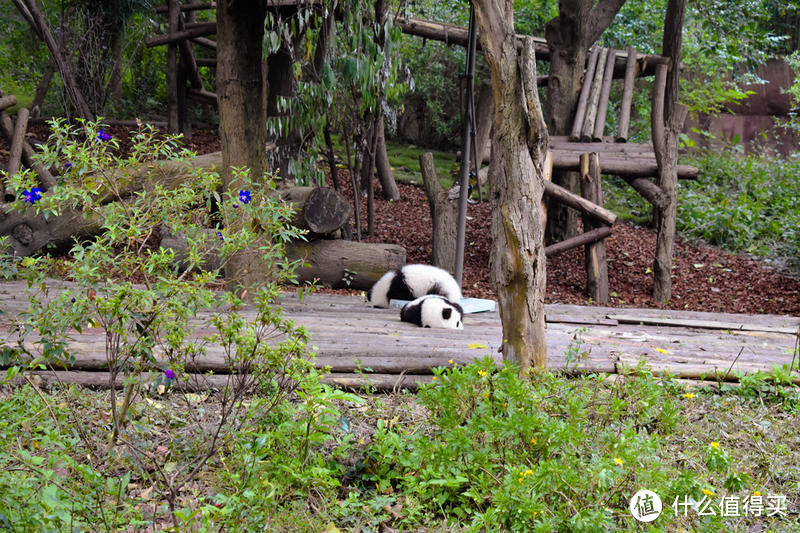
[605, 92]
[701, 324]
[583, 99]
[627, 96]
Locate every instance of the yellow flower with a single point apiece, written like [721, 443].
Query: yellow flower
[505, 404]
[618, 461]
[533, 440]
[660, 350]
[757, 493]
[689, 395]
[434, 378]
[520, 480]
[450, 361]
[481, 373]
[529, 472]
[715, 445]
[707, 492]
[485, 394]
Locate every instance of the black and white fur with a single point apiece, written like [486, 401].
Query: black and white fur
[433, 311]
[413, 281]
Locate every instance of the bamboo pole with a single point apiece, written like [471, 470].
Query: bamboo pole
[587, 131]
[583, 99]
[627, 95]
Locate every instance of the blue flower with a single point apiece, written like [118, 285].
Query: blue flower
[244, 197]
[33, 195]
[101, 136]
[67, 165]
[219, 234]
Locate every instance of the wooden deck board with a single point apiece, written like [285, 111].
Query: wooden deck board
[347, 335]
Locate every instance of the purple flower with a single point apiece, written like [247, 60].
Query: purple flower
[33, 195]
[101, 136]
[235, 205]
[219, 234]
[169, 374]
[67, 165]
[244, 197]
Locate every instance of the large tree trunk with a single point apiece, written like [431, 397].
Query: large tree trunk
[242, 111]
[517, 177]
[665, 143]
[578, 25]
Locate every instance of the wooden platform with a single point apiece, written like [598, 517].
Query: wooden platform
[347, 335]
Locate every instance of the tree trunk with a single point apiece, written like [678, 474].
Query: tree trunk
[321, 210]
[384, 170]
[666, 148]
[517, 176]
[578, 25]
[444, 213]
[242, 111]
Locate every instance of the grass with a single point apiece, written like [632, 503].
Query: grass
[480, 449]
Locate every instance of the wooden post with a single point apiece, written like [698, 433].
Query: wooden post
[627, 96]
[595, 258]
[583, 99]
[594, 96]
[605, 92]
[15, 154]
[173, 99]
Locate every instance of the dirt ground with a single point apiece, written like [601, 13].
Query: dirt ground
[705, 278]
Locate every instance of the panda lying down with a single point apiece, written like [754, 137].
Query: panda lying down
[433, 292]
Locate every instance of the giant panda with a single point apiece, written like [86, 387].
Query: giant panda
[413, 281]
[433, 311]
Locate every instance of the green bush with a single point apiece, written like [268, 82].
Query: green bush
[744, 203]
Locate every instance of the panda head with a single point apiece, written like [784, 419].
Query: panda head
[433, 311]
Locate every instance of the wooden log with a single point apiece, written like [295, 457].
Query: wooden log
[206, 62]
[206, 43]
[444, 213]
[345, 264]
[204, 382]
[610, 148]
[46, 180]
[17, 140]
[627, 96]
[583, 99]
[587, 131]
[321, 210]
[620, 165]
[583, 239]
[576, 202]
[207, 97]
[454, 34]
[649, 190]
[75, 95]
[188, 7]
[189, 63]
[7, 101]
[605, 93]
[595, 252]
[201, 30]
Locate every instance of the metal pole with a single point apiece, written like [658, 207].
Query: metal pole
[465, 148]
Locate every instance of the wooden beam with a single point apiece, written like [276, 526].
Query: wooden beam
[579, 240]
[206, 43]
[18, 139]
[621, 165]
[649, 190]
[7, 101]
[627, 96]
[189, 7]
[46, 180]
[203, 29]
[583, 99]
[632, 149]
[207, 97]
[574, 201]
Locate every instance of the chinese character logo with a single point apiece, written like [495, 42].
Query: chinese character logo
[645, 506]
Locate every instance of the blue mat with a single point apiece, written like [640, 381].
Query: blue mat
[469, 305]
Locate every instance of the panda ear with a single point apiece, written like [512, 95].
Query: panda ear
[446, 313]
